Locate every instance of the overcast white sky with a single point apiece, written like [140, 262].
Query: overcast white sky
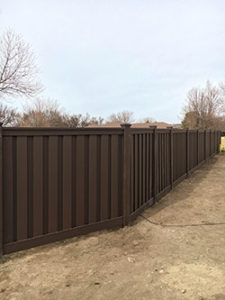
[106, 56]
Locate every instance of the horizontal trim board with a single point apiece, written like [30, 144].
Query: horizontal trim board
[61, 235]
[61, 129]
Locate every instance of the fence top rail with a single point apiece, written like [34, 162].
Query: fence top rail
[49, 131]
[158, 130]
[41, 131]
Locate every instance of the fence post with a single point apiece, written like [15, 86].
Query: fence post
[215, 142]
[187, 152]
[205, 144]
[171, 156]
[126, 172]
[198, 147]
[155, 155]
[1, 192]
[218, 141]
[209, 141]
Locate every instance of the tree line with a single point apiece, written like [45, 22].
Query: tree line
[47, 113]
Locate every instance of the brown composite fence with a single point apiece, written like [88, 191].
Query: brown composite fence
[58, 183]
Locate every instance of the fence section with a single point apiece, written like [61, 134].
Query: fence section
[57, 183]
[161, 158]
[141, 171]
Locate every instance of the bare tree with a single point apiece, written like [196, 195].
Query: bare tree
[73, 121]
[48, 113]
[41, 113]
[8, 116]
[17, 67]
[205, 107]
[122, 117]
[148, 120]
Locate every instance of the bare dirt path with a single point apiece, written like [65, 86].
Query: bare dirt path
[142, 261]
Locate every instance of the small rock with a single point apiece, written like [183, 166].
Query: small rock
[135, 243]
[156, 270]
[67, 285]
[131, 259]
[184, 291]
[161, 271]
[97, 283]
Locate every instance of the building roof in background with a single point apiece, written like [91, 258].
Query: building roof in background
[137, 125]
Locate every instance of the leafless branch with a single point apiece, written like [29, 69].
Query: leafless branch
[122, 117]
[18, 71]
[205, 108]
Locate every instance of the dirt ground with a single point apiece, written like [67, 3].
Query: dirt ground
[142, 261]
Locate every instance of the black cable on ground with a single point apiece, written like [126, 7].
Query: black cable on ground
[181, 225]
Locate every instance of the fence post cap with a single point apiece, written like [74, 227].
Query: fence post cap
[152, 126]
[125, 125]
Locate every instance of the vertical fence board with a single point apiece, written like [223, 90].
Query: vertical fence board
[147, 167]
[92, 178]
[30, 185]
[114, 176]
[1, 190]
[53, 184]
[140, 170]
[104, 187]
[37, 186]
[136, 191]
[143, 169]
[80, 173]
[131, 174]
[22, 188]
[159, 178]
[67, 182]
[8, 169]
[150, 182]
[155, 164]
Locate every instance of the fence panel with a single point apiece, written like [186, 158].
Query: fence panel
[54, 183]
[141, 169]
[58, 183]
[163, 167]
